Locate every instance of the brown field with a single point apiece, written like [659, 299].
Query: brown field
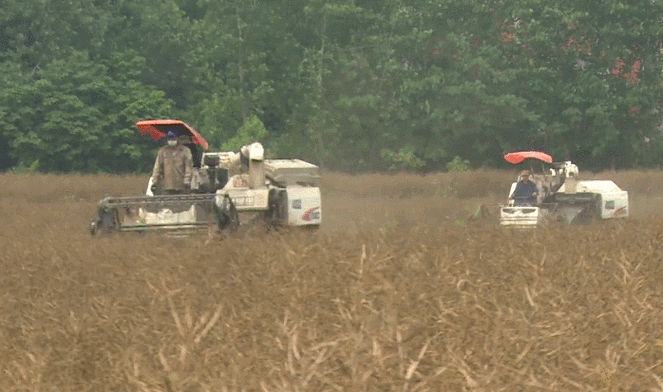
[398, 292]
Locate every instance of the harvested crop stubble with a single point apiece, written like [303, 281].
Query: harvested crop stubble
[396, 304]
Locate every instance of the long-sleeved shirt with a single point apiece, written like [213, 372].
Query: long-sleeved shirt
[173, 167]
[524, 191]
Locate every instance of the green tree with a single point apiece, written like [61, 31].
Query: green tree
[10, 78]
[567, 56]
[230, 67]
[73, 116]
[253, 130]
[352, 85]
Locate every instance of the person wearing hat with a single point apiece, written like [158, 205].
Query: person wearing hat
[526, 191]
[173, 167]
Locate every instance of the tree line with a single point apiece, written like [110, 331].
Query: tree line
[352, 85]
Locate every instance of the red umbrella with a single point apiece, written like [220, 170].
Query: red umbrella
[517, 157]
[159, 128]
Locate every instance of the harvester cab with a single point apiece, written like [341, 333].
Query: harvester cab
[562, 196]
[227, 189]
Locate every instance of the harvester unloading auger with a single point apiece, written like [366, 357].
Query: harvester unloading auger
[227, 189]
[562, 196]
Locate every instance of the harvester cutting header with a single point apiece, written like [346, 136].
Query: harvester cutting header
[556, 193]
[191, 189]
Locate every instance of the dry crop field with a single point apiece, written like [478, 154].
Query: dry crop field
[397, 292]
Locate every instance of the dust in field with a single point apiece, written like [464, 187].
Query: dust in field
[394, 304]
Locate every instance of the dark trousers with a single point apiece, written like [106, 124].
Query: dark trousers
[525, 202]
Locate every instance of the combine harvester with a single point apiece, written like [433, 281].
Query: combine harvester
[561, 196]
[228, 189]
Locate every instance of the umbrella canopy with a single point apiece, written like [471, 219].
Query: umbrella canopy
[517, 157]
[159, 128]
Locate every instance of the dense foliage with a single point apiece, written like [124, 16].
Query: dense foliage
[353, 85]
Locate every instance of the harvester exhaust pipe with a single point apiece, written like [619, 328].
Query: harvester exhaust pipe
[256, 155]
[571, 177]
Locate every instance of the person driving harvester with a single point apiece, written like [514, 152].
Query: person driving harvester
[173, 167]
[526, 191]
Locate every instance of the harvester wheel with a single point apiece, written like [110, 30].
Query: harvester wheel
[277, 215]
[103, 224]
[227, 217]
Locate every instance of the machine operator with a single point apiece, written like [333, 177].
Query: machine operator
[173, 167]
[526, 191]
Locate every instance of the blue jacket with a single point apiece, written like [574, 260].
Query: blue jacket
[524, 192]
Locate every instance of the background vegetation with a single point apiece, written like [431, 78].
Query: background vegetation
[354, 85]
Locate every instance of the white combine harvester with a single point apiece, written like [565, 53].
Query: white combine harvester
[228, 189]
[562, 197]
